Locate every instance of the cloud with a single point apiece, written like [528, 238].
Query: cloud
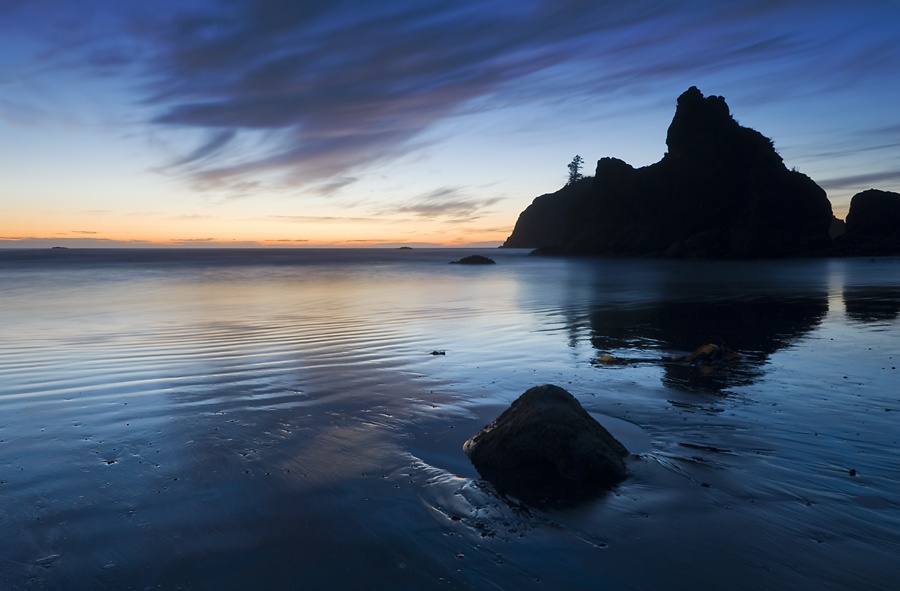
[280, 93]
[306, 219]
[492, 230]
[341, 85]
[190, 217]
[448, 202]
[334, 185]
[214, 143]
[854, 181]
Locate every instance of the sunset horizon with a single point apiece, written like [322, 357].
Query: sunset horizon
[264, 124]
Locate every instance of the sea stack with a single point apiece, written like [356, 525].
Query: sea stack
[873, 225]
[721, 191]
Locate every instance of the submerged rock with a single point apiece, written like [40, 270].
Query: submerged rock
[475, 259]
[711, 353]
[546, 449]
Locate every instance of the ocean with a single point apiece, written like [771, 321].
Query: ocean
[279, 419]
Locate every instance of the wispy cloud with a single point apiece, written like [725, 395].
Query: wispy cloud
[335, 86]
[859, 180]
[286, 93]
[449, 202]
[191, 217]
[214, 143]
[315, 219]
[334, 185]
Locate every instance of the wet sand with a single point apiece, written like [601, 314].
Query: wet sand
[281, 423]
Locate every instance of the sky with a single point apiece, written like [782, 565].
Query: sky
[420, 122]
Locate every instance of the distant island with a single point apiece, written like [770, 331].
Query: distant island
[721, 191]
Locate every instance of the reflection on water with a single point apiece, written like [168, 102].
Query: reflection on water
[756, 327]
[245, 419]
[872, 304]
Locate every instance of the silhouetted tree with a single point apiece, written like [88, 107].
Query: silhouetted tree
[575, 169]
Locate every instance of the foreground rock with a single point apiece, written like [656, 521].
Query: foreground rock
[545, 449]
[475, 259]
[721, 191]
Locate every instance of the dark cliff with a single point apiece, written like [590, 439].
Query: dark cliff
[873, 225]
[543, 223]
[721, 190]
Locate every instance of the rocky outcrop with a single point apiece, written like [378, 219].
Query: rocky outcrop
[474, 259]
[872, 225]
[546, 449]
[543, 223]
[720, 191]
[838, 227]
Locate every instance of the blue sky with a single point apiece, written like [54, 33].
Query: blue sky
[423, 122]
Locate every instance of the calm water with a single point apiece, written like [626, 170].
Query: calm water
[275, 419]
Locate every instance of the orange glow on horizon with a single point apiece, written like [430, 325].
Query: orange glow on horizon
[336, 236]
[244, 223]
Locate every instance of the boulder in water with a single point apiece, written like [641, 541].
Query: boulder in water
[546, 449]
[474, 259]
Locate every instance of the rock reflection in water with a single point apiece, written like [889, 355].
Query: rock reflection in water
[755, 327]
[872, 304]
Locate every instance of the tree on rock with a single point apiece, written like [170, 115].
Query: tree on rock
[575, 169]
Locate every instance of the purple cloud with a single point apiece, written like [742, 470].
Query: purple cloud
[448, 203]
[309, 93]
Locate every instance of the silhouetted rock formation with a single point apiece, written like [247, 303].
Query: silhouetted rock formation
[543, 223]
[873, 224]
[721, 191]
[474, 259]
[546, 449]
[838, 228]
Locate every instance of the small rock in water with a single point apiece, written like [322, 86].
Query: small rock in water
[711, 353]
[546, 449]
[475, 259]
